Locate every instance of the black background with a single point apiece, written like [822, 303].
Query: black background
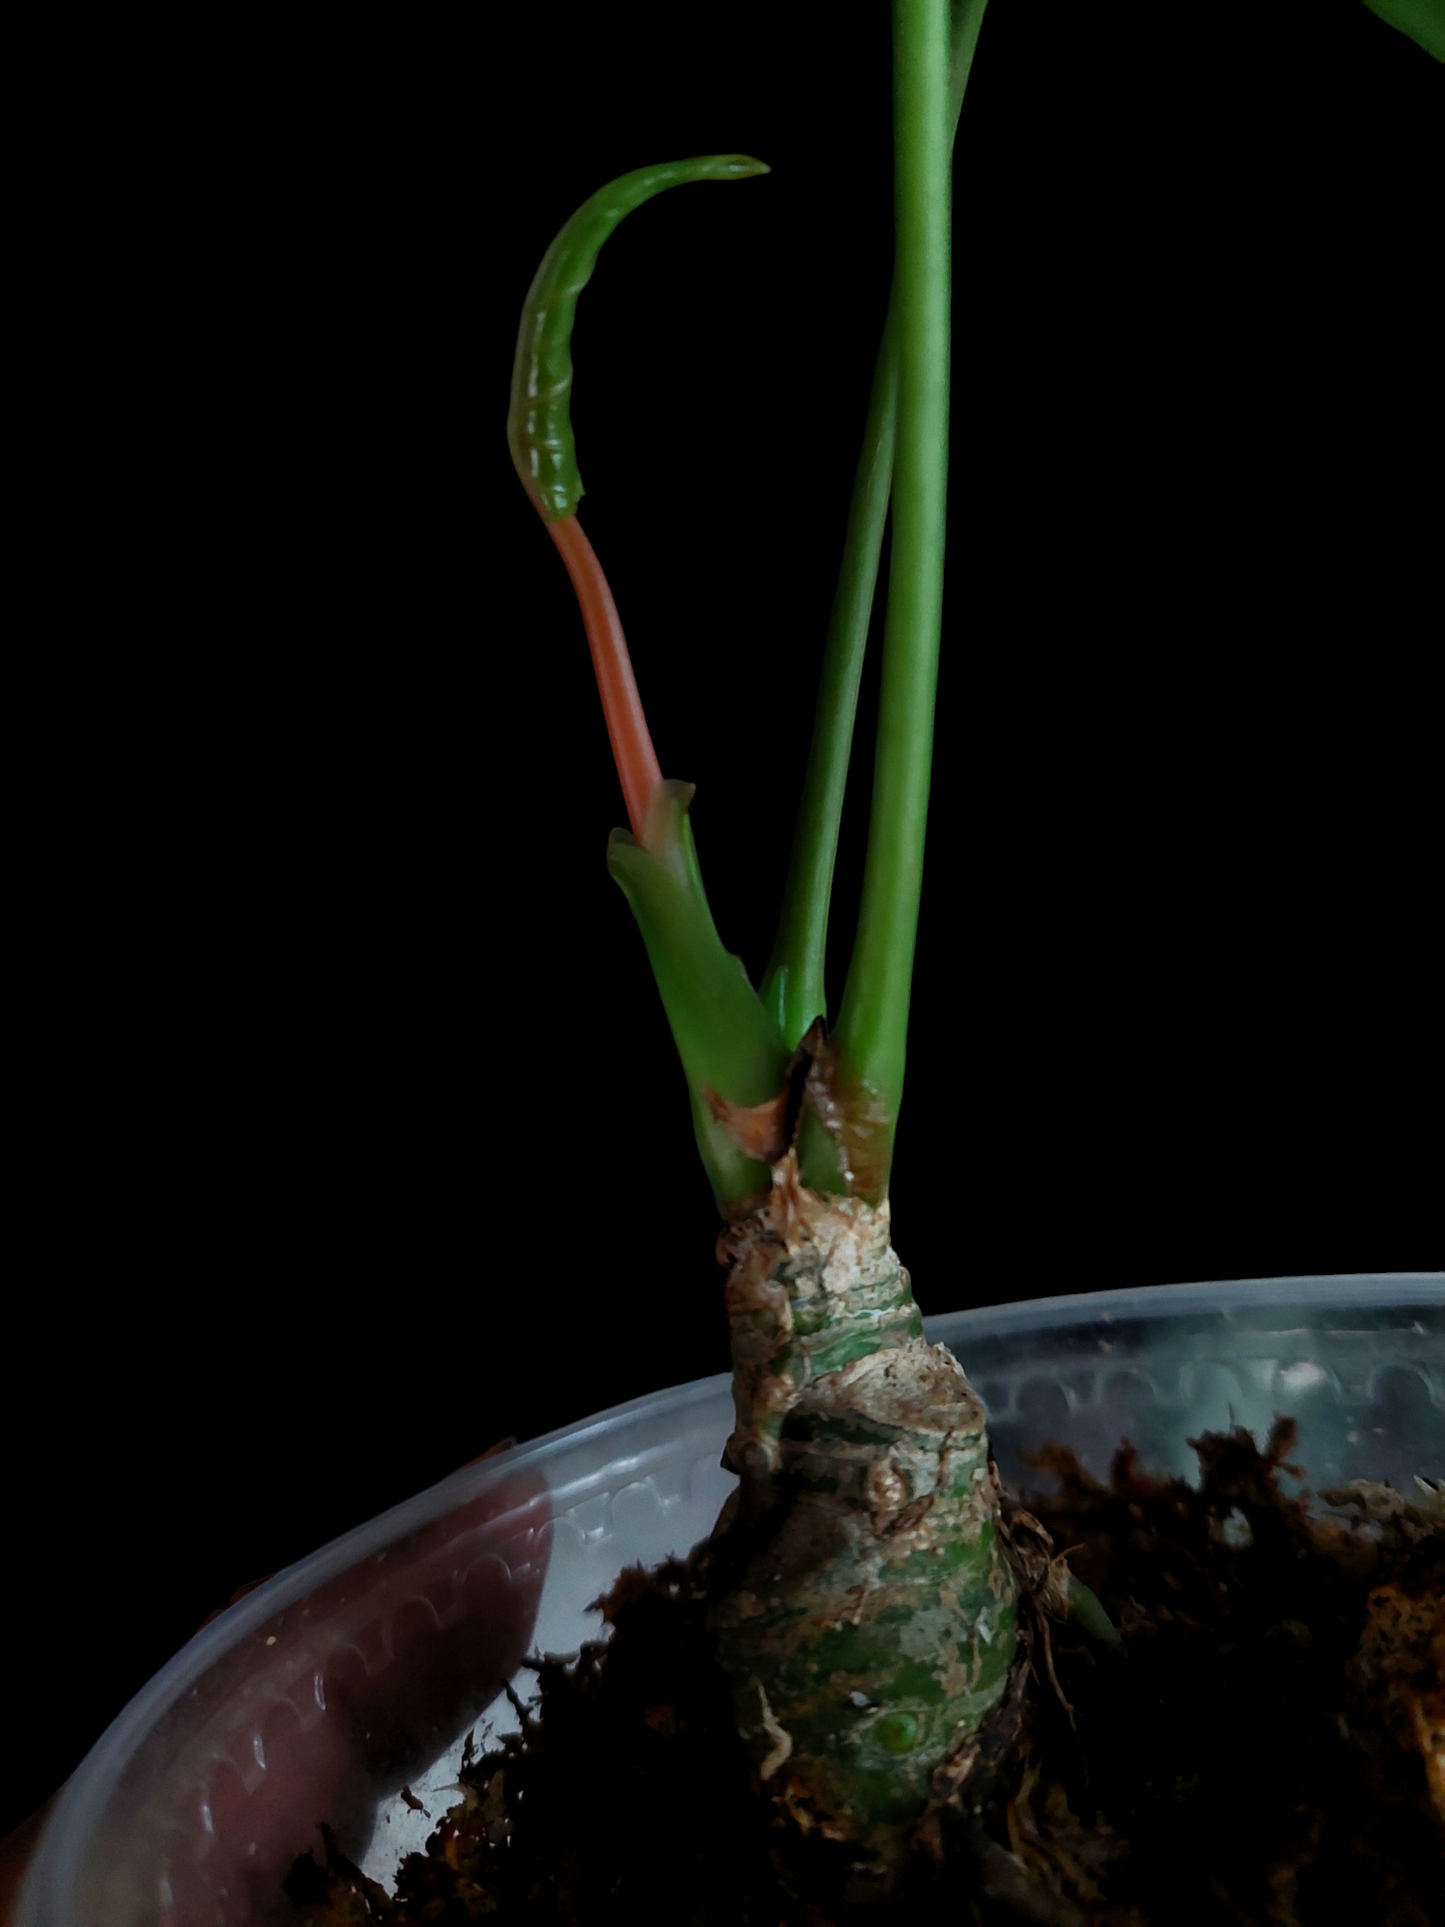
[358, 1142]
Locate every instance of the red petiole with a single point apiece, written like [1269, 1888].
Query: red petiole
[632, 751]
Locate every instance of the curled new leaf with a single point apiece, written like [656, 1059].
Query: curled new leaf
[539, 424]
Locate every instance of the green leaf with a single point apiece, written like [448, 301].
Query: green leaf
[1422, 20]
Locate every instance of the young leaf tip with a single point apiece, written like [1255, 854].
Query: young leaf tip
[737, 167]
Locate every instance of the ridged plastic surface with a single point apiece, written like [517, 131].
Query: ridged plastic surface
[360, 1668]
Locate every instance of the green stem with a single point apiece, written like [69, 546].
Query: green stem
[793, 986]
[873, 1022]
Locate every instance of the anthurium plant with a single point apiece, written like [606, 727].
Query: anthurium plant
[867, 1604]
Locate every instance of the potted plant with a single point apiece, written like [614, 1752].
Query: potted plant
[735, 1586]
[875, 1613]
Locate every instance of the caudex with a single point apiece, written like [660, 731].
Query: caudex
[865, 1601]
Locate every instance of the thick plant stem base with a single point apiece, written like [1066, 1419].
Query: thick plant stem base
[862, 1603]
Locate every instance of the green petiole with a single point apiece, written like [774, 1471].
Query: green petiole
[871, 1037]
[793, 987]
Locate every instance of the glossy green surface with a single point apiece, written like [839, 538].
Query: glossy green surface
[539, 426]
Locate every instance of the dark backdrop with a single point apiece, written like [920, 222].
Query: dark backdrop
[358, 1142]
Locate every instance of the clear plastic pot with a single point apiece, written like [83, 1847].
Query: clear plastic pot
[358, 1670]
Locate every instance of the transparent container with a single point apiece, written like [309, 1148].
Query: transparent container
[358, 1671]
